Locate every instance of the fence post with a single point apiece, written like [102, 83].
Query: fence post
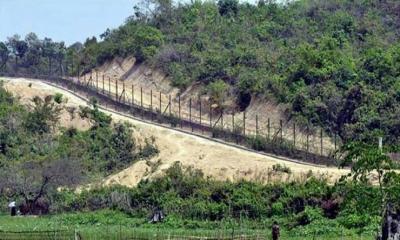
[109, 86]
[335, 141]
[91, 78]
[179, 109]
[190, 113]
[133, 96]
[269, 128]
[244, 123]
[321, 136]
[160, 104]
[123, 91]
[141, 98]
[281, 129]
[103, 83]
[202, 130]
[141, 101]
[97, 81]
[116, 90]
[222, 122]
[233, 126]
[222, 119]
[256, 125]
[308, 139]
[151, 103]
[170, 110]
[211, 118]
[294, 135]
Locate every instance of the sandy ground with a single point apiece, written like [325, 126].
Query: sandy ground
[215, 159]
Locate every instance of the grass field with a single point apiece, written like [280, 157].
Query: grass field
[115, 225]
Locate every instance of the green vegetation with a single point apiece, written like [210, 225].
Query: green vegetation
[37, 156]
[194, 203]
[334, 63]
[111, 224]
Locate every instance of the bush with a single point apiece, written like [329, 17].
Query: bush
[58, 98]
[281, 168]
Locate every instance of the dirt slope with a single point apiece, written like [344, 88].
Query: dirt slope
[128, 74]
[214, 159]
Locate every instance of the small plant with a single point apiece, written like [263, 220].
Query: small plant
[281, 168]
[58, 98]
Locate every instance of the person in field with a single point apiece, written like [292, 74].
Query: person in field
[13, 208]
[275, 231]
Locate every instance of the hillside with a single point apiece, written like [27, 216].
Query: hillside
[190, 151]
[331, 63]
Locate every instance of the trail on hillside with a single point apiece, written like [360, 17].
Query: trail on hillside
[215, 159]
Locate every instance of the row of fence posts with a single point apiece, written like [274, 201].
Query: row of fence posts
[220, 118]
[212, 126]
[120, 96]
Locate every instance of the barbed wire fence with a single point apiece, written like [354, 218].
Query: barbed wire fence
[192, 114]
[254, 131]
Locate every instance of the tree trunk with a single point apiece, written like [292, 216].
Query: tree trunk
[390, 229]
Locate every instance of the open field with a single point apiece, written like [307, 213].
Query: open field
[117, 226]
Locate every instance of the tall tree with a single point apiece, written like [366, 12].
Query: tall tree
[4, 54]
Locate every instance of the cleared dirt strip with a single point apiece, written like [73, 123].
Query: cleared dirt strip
[215, 158]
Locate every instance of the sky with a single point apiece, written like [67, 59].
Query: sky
[63, 20]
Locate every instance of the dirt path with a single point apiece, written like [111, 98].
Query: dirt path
[215, 159]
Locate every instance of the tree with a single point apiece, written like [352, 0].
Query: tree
[48, 51]
[44, 116]
[18, 47]
[34, 51]
[34, 180]
[4, 55]
[368, 163]
[228, 7]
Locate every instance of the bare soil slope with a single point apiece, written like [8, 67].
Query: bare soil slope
[127, 74]
[214, 159]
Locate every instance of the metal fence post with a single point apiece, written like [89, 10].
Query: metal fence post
[294, 135]
[151, 103]
[109, 86]
[123, 92]
[141, 101]
[321, 136]
[179, 109]
[202, 130]
[103, 83]
[190, 113]
[256, 125]
[308, 139]
[133, 95]
[170, 110]
[160, 104]
[244, 123]
[97, 81]
[116, 90]
[210, 117]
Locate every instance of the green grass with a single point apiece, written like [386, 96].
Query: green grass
[116, 225]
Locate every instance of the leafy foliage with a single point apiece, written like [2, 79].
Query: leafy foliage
[333, 63]
[37, 157]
